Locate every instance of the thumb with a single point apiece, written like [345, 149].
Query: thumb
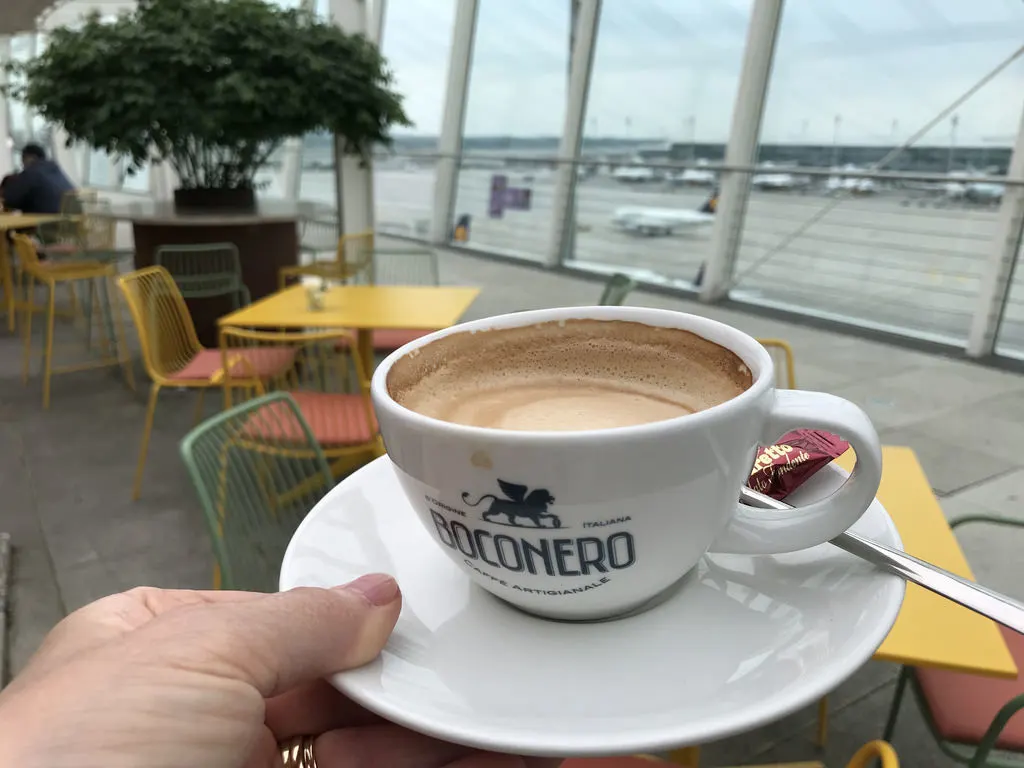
[283, 640]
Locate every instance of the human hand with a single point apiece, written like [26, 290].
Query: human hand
[178, 679]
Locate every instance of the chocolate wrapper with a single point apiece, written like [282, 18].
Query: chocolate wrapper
[782, 468]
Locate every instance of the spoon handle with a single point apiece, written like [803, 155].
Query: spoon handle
[998, 607]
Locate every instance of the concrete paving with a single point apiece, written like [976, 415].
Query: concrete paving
[66, 473]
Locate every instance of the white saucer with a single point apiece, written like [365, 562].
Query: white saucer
[742, 641]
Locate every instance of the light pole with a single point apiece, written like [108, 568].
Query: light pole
[836, 125]
[954, 121]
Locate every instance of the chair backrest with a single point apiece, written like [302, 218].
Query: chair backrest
[782, 356]
[312, 361]
[203, 270]
[254, 486]
[97, 226]
[405, 266]
[616, 290]
[26, 252]
[166, 331]
[355, 257]
[319, 234]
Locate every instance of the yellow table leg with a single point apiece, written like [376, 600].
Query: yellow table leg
[364, 347]
[822, 739]
[687, 757]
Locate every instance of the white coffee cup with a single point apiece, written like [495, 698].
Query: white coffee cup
[635, 507]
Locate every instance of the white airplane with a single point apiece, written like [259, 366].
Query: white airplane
[664, 221]
[974, 191]
[692, 177]
[658, 221]
[850, 184]
[633, 174]
[984, 192]
[773, 181]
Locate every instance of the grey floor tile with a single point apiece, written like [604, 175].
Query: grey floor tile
[950, 466]
[992, 435]
[919, 393]
[1003, 494]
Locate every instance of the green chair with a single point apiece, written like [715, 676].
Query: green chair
[616, 290]
[258, 471]
[971, 718]
[205, 270]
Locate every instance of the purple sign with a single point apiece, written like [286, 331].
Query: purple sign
[504, 197]
[499, 184]
[518, 198]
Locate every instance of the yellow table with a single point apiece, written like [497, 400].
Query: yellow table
[9, 221]
[360, 307]
[930, 631]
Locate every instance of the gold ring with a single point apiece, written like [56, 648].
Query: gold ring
[298, 752]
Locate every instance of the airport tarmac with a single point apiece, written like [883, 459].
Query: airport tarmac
[890, 261]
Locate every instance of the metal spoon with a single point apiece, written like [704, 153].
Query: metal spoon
[987, 602]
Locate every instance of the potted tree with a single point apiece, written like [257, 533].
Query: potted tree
[212, 87]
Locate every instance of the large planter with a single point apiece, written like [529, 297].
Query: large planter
[206, 199]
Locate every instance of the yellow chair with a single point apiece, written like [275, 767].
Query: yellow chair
[353, 260]
[171, 352]
[51, 275]
[327, 381]
[785, 376]
[782, 355]
[64, 237]
[865, 757]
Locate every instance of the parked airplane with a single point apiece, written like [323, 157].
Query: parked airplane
[692, 177]
[664, 221]
[974, 191]
[850, 184]
[633, 174]
[773, 181]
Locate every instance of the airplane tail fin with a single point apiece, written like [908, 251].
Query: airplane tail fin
[710, 204]
[461, 232]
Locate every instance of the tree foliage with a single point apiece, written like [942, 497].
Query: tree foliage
[211, 86]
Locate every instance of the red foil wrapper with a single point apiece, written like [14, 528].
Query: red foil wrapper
[782, 468]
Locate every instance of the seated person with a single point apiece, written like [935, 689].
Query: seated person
[41, 185]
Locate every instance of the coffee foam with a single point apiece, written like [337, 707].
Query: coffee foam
[566, 376]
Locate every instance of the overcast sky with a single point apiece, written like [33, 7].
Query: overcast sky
[669, 68]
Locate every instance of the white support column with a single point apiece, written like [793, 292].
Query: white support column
[5, 128]
[563, 219]
[449, 143]
[162, 181]
[291, 169]
[379, 14]
[1006, 249]
[27, 126]
[353, 179]
[290, 173]
[741, 149]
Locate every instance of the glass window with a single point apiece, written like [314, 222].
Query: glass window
[417, 44]
[851, 83]
[514, 120]
[1010, 339]
[662, 91]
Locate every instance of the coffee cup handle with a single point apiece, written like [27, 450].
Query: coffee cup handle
[764, 531]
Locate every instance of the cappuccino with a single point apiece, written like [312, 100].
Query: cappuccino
[567, 376]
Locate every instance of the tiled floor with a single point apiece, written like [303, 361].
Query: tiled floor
[65, 476]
